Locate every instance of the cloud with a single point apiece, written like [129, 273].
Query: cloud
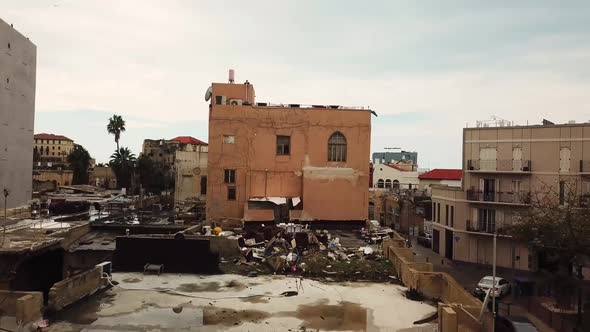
[447, 64]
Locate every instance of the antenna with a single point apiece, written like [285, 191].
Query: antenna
[208, 93]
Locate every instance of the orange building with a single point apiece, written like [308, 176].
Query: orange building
[289, 162]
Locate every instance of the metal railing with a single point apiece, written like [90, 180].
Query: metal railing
[521, 197]
[499, 165]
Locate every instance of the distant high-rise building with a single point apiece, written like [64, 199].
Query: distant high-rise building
[18, 63]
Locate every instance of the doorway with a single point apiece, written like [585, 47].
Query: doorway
[448, 244]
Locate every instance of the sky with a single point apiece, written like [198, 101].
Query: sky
[428, 68]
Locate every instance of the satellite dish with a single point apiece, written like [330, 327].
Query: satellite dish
[208, 93]
[196, 171]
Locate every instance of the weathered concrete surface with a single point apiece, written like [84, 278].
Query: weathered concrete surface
[70, 290]
[234, 303]
[26, 307]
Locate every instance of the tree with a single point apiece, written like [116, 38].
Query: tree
[556, 224]
[79, 160]
[122, 162]
[115, 127]
[151, 174]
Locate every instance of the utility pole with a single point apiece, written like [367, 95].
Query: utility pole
[494, 284]
[6, 193]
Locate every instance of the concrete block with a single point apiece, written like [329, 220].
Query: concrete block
[70, 290]
[29, 308]
[449, 320]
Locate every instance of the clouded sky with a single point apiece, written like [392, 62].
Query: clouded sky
[426, 67]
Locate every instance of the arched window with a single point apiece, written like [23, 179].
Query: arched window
[395, 185]
[388, 183]
[337, 147]
[380, 183]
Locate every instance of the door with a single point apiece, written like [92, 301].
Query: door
[435, 240]
[448, 244]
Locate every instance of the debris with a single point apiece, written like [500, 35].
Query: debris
[252, 274]
[289, 293]
[329, 272]
[366, 250]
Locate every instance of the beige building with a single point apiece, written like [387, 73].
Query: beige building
[103, 177]
[50, 148]
[59, 177]
[18, 63]
[190, 168]
[502, 166]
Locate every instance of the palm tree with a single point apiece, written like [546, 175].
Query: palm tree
[123, 162]
[79, 160]
[115, 127]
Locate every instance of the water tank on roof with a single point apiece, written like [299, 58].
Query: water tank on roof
[232, 74]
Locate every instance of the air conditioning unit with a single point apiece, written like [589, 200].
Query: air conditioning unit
[236, 102]
[105, 267]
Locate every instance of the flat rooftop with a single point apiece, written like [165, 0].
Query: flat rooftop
[180, 302]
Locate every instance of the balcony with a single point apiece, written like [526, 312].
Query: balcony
[513, 198]
[487, 228]
[509, 166]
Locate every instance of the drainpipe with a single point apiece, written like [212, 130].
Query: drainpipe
[265, 181]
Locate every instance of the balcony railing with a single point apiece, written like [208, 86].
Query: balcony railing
[480, 227]
[522, 197]
[501, 165]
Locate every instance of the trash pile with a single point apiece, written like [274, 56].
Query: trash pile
[295, 249]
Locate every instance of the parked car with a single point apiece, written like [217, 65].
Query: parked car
[425, 240]
[515, 324]
[501, 288]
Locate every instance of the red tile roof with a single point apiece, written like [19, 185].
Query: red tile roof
[188, 140]
[442, 174]
[51, 136]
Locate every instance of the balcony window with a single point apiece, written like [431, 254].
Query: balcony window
[486, 220]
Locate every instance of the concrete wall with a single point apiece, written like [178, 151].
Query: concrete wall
[26, 307]
[436, 285]
[73, 289]
[330, 190]
[103, 177]
[18, 65]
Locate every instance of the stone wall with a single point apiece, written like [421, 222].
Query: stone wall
[70, 290]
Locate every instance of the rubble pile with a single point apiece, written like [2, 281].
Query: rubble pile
[297, 250]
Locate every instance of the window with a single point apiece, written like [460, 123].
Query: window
[229, 176]
[561, 192]
[337, 147]
[395, 185]
[203, 185]
[59, 147]
[231, 193]
[283, 145]
[447, 214]
[229, 139]
[487, 220]
[53, 148]
[434, 211]
[452, 216]
[388, 183]
[380, 183]
[218, 100]
[438, 212]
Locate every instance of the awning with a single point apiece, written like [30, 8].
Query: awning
[276, 200]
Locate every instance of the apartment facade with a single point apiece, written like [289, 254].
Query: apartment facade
[392, 157]
[190, 167]
[502, 168]
[278, 162]
[50, 148]
[18, 65]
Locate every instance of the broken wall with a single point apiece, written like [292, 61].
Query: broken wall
[73, 289]
[26, 307]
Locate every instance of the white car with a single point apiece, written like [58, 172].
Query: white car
[502, 286]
